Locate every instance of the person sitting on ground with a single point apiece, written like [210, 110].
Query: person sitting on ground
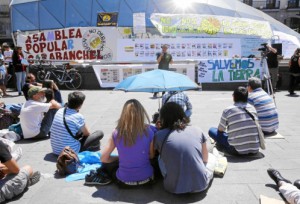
[3, 76]
[70, 117]
[290, 192]
[264, 105]
[36, 116]
[183, 152]
[133, 138]
[29, 82]
[242, 135]
[13, 179]
[50, 84]
[181, 99]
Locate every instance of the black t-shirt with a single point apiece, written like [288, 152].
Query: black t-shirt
[165, 61]
[4, 153]
[294, 64]
[272, 60]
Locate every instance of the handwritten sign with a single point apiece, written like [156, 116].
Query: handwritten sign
[209, 26]
[228, 70]
[70, 44]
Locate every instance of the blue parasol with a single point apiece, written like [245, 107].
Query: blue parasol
[156, 81]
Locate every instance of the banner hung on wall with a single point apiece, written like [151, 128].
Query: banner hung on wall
[112, 75]
[228, 70]
[71, 44]
[107, 19]
[210, 26]
[179, 48]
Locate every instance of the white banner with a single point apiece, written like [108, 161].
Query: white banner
[179, 48]
[71, 44]
[210, 26]
[112, 75]
[228, 70]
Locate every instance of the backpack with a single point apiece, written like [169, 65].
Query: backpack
[67, 162]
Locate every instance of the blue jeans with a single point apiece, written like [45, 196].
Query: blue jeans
[221, 139]
[46, 124]
[20, 80]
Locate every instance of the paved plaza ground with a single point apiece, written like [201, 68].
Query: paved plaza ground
[244, 181]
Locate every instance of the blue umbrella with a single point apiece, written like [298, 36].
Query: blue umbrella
[156, 81]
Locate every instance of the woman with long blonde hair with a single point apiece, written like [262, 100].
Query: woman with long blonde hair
[133, 138]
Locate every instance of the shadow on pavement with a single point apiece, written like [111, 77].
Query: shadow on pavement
[240, 159]
[50, 157]
[145, 194]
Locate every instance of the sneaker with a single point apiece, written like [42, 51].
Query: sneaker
[34, 178]
[97, 178]
[297, 183]
[16, 154]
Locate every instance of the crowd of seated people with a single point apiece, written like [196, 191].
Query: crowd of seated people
[171, 149]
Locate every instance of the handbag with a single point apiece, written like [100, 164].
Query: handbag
[78, 135]
[67, 162]
[260, 132]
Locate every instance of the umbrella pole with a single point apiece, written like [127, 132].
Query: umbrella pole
[158, 104]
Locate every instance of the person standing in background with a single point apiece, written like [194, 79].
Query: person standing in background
[7, 53]
[164, 59]
[20, 69]
[272, 61]
[294, 65]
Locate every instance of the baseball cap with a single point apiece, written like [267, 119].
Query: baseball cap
[34, 90]
[5, 45]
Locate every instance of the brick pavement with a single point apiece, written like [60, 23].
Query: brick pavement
[244, 180]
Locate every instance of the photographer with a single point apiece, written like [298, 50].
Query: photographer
[50, 84]
[272, 61]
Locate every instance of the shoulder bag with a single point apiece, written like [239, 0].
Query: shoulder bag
[260, 133]
[78, 135]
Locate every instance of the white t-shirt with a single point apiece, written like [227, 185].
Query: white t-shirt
[31, 116]
[8, 53]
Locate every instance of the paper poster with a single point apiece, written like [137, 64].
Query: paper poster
[179, 48]
[139, 23]
[112, 75]
[228, 70]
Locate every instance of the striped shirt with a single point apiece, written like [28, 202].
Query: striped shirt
[60, 137]
[266, 109]
[241, 129]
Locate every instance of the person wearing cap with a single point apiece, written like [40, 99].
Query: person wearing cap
[164, 59]
[20, 69]
[36, 116]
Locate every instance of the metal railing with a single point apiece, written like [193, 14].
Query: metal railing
[263, 4]
[4, 10]
[293, 4]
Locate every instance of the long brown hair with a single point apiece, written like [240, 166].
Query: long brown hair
[131, 123]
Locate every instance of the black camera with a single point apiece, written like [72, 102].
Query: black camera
[264, 48]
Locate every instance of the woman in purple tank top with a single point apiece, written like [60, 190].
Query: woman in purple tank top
[133, 138]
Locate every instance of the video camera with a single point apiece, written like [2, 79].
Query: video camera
[264, 48]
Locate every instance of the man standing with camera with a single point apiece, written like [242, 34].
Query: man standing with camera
[272, 61]
[163, 60]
